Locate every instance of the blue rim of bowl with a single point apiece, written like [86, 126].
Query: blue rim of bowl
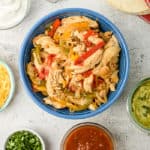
[129, 106]
[12, 82]
[77, 116]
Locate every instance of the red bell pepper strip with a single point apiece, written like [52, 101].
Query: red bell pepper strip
[72, 88]
[45, 71]
[50, 59]
[87, 73]
[86, 36]
[97, 81]
[42, 74]
[87, 54]
[35, 69]
[55, 25]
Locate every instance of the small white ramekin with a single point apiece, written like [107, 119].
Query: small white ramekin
[27, 9]
[25, 129]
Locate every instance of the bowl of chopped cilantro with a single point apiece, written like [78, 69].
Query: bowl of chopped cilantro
[24, 139]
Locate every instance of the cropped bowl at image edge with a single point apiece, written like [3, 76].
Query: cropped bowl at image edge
[105, 25]
[137, 112]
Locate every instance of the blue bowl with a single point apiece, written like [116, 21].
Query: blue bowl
[105, 26]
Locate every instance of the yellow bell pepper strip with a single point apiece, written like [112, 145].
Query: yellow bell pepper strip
[36, 54]
[55, 25]
[87, 54]
[72, 55]
[75, 107]
[39, 88]
[79, 26]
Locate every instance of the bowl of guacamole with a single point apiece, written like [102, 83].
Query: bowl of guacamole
[139, 104]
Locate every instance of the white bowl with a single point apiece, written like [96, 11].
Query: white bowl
[18, 20]
[12, 82]
[25, 129]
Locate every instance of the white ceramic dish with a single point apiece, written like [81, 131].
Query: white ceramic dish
[19, 20]
[12, 82]
[136, 7]
[53, 1]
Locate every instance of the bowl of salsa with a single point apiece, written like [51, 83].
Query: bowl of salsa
[88, 136]
[138, 105]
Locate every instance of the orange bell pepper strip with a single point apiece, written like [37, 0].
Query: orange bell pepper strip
[79, 26]
[55, 25]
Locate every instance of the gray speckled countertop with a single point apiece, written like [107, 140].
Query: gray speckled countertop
[22, 112]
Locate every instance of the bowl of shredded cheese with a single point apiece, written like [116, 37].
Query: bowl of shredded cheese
[7, 85]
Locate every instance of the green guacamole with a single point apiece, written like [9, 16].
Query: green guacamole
[141, 104]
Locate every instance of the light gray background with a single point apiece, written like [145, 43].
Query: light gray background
[22, 112]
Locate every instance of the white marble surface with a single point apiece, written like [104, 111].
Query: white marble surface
[22, 112]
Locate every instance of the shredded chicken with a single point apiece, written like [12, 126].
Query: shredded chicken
[87, 84]
[80, 48]
[47, 44]
[53, 82]
[74, 19]
[95, 39]
[79, 35]
[111, 52]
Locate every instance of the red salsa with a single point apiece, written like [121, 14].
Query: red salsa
[88, 137]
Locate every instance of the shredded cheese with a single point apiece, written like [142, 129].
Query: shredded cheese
[5, 85]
